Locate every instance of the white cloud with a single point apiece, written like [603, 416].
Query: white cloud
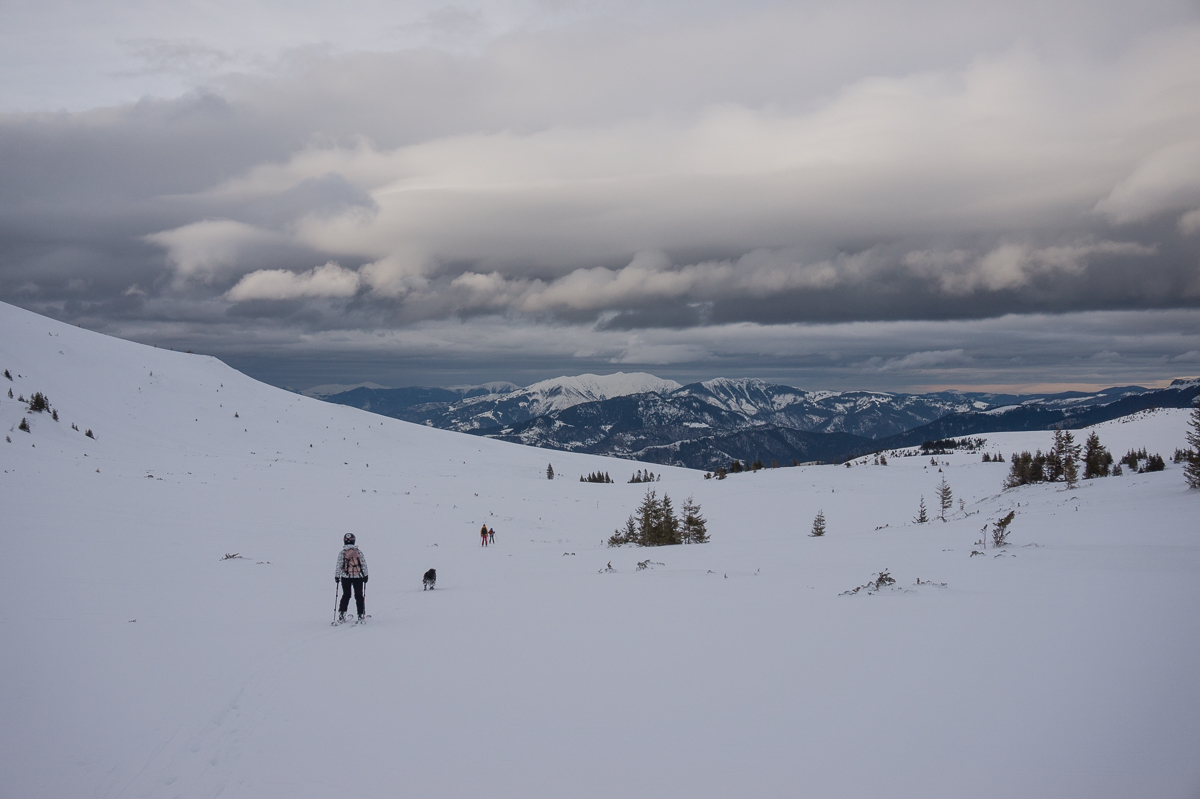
[330, 280]
[1189, 223]
[1012, 266]
[921, 360]
[1167, 180]
[210, 249]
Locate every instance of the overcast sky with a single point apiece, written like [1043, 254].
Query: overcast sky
[839, 194]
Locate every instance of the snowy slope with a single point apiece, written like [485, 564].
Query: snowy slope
[736, 668]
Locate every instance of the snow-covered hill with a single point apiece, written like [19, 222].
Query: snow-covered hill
[138, 661]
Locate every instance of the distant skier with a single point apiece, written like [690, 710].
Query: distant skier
[352, 573]
[491, 535]
[483, 542]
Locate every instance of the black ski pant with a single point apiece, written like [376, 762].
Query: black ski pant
[357, 584]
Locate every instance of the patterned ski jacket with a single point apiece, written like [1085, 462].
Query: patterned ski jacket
[349, 569]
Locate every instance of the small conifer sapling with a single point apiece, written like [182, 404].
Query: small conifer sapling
[922, 515]
[945, 497]
[1000, 529]
[818, 528]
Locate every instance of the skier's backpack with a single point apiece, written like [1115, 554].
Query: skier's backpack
[352, 562]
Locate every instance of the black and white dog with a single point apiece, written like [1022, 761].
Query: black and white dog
[430, 579]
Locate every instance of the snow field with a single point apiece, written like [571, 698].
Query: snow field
[736, 668]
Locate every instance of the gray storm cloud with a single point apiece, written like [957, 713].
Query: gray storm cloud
[627, 170]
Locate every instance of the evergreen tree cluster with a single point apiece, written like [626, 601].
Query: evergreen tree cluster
[655, 524]
[1060, 463]
[988, 458]
[735, 466]
[1153, 463]
[944, 446]
[38, 402]
[596, 477]
[644, 476]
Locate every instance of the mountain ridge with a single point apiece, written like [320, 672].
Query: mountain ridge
[709, 423]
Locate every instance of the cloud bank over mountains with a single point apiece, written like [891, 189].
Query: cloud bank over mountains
[797, 188]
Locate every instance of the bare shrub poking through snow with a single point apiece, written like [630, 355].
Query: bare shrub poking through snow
[882, 580]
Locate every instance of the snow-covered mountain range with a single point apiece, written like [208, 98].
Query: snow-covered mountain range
[167, 604]
[708, 424]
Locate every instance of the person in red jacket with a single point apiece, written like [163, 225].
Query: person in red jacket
[351, 571]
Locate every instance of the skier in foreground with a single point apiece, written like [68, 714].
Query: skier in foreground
[352, 574]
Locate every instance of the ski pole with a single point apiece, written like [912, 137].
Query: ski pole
[336, 585]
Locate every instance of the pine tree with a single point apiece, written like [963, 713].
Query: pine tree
[1053, 463]
[695, 528]
[627, 536]
[669, 532]
[1066, 457]
[647, 515]
[1097, 460]
[945, 497]
[1191, 471]
[818, 528]
[1070, 473]
[549, 471]
[922, 515]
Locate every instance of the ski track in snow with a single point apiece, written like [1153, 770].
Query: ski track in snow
[1061, 666]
